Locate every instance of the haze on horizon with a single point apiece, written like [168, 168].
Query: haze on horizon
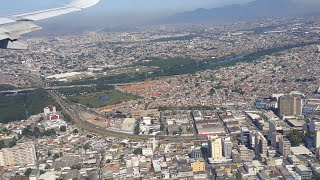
[121, 12]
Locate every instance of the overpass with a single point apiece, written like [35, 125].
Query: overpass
[82, 123]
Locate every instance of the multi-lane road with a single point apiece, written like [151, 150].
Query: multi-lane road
[81, 122]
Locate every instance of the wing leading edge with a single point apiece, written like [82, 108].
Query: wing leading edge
[12, 27]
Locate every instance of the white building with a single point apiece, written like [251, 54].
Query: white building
[147, 152]
[314, 125]
[23, 154]
[49, 110]
[215, 147]
[54, 124]
[317, 139]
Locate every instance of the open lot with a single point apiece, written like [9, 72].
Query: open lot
[104, 99]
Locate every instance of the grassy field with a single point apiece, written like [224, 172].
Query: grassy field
[114, 97]
[127, 70]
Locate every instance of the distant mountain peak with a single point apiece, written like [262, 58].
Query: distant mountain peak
[250, 10]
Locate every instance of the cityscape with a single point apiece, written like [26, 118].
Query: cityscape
[237, 100]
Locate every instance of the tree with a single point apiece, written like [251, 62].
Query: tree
[56, 156]
[36, 130]
[78, 166]
[63, 128]
[295, 137]
[212, 91]
[121, 158]
[137, 151]
[89, 136]
[238, 176]
[12, 143]
[137, 129]
[25, 131]
[75, 131]
[41, 119]
[49, 132]
[2, 144]
[86, 146]
[161, 125]
[28, 172]
[66, 117]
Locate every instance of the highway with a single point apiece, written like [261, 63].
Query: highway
[80, 121]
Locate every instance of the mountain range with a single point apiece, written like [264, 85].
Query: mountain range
[252, 10]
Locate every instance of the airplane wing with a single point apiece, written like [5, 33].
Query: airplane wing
[12, 27]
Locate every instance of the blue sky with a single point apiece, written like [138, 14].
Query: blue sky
[117, 6]
[117, 12]
[113, 12]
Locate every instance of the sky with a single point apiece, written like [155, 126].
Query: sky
[114, 12]
[125, 6]
[118, 6]
[120, 11]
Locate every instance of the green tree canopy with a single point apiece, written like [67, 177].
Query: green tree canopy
[296, 138]
[63, 128]
[137, 151]
[28, 172]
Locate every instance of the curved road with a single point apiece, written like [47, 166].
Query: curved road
[85, 125]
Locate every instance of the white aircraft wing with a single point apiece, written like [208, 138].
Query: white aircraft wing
[12, 27]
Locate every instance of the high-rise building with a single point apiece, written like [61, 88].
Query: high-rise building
[245, 135]
[290, 105]
[198, 165]
[252, 140]
[215, 147]
[314, 125]
[317, 139]
[304, 172]
[284, 146]
[245, 153]
[261, 144]
[274, 137]
[152, 143]
[271, 152]
[49, 110]
[195, 154]
[227, 147]
[21, 155]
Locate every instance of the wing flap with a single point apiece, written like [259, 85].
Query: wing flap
[16, 45]
[13, 26]
[10, 33]
[13, 31]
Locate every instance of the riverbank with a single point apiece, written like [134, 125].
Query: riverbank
[179, 66]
